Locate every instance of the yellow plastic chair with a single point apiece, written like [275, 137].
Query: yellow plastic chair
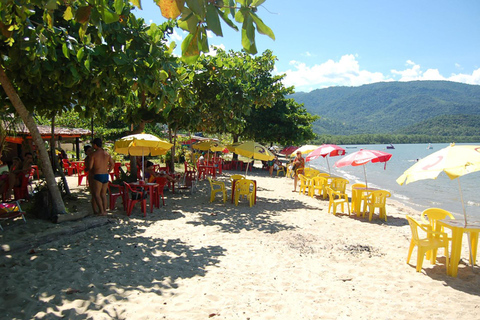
[336, 198]
[246, 188]
[339, 184]
[281, 169]
[319, 184]
[357, 198]
[289, 173]
[310, 172]
[217, 187]
[431, 216]
[376, 199]
[432, 241]
[323, 174]
[305, 183]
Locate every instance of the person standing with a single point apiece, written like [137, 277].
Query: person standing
[99, 165]
[298, 165]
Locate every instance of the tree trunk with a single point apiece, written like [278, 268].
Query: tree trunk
[235, 140]
[58, 205]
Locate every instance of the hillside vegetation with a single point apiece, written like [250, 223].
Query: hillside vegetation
[432, 108]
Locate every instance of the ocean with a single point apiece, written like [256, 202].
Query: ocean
[441, 193]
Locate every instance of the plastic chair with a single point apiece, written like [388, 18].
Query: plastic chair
[336, 198]
[21, 192]
[431, 216]
[281, 169]
[68, 168]
[432, 241]
[357, 198]
[81, 173]
[305, 183]
[339, 184]
[310, 172]
[217, 187]
[113, 195]
[133, 196]
[319, 183]
[162, 182]
[11, 210]
[376, 199]
[242, 188]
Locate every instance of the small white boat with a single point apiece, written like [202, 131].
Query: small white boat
[429, 146]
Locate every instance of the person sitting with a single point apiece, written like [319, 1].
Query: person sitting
[298, 165]
[201, 159]
[277, 164]
[151, 174]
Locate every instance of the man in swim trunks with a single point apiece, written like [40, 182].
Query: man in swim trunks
[100, 164]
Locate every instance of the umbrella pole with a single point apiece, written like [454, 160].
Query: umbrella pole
[328, 164]
[143, 166]
[465, 217]
[248, 163]
[365, 174]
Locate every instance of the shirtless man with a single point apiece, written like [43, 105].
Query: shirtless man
[100, 164]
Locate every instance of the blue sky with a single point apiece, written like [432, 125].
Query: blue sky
[321, 44]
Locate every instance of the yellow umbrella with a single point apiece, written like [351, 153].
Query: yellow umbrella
[231, 147]
[209, 145]
[454, 160]
[254, 150]
[142, 144]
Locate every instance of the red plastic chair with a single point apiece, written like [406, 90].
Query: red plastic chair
[113, 195]
[68, 168]
[162, 182]
[133, 196]
[11, 210]
[21, 192]
[81, 173]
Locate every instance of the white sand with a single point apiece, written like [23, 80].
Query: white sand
[284, 258]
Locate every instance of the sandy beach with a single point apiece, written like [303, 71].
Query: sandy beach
[284, 258]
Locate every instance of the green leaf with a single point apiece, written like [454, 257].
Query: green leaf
[197, 6]
[80, 54]
[137, 3]
[239, 16]
[190, 50]
[51, 5]
[108, 15]
[119, 5]
[257, 3]
[163, 75]
[224, 15]
[213, 22]
[203, 43]
[262, 27]
[188, 21]
[68, 14]
[248, 36]
[87, 64]
[65, 50]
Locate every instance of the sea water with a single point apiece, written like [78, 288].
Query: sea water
[440, 193]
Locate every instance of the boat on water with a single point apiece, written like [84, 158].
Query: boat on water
[350, 147]
[429, 146]
[390, 146]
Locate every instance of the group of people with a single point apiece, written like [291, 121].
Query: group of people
[16, 173]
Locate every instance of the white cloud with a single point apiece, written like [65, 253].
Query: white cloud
[347, 72]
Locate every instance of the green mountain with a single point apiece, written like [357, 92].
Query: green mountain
[417, 107]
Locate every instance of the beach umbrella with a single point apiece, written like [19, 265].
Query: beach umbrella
[254, 150]
[306, 149]
[362, 157]
[288, 150]
[325, 150]
[142, 144]
[209, 146]
[454, 160]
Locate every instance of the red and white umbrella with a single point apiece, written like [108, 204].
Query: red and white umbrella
[362, 157]
[325, 150]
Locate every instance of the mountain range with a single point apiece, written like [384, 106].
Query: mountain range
[417, 107]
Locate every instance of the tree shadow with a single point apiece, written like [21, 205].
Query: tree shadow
[113, 268]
